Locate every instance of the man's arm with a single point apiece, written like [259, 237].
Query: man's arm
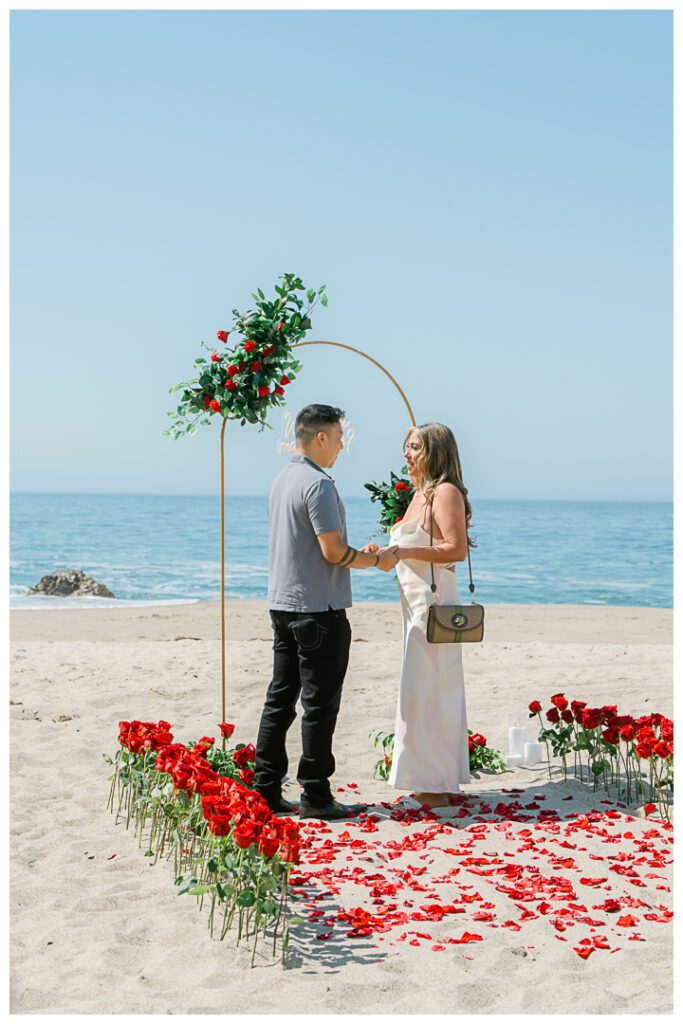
[337, 552]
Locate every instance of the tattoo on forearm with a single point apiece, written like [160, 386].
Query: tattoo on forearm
[347, 558]
[340, 561]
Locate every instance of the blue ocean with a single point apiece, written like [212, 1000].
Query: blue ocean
[160, 548]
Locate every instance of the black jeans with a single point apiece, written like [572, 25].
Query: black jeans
[310, 656]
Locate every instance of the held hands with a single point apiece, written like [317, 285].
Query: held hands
[387, 556]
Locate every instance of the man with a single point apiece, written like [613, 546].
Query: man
[309, 590]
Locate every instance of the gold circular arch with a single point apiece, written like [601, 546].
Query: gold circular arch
[338, 344]
[298, 344]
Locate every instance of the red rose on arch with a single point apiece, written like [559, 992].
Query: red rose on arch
[263, 391]
[215, 358]
[222, 335]
[249, 345]
[230, 385]
[216, 406]
[232, 370]
[278, 390]
[285, 380]
[207, 401]
[255, 366]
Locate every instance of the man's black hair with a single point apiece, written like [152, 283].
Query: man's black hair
[313, 419]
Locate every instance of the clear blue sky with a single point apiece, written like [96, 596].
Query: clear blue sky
[487, 196]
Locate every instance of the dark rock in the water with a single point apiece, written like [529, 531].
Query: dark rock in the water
[68, 582]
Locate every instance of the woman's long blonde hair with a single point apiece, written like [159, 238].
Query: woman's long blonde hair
[439, 461]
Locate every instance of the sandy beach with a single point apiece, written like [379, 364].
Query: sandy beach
[96, 929]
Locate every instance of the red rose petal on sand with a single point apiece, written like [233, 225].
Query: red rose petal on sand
[467, 937]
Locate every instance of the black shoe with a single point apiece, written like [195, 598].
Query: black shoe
[279, 805]
[331, 812]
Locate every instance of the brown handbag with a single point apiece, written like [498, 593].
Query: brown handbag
[454, 623]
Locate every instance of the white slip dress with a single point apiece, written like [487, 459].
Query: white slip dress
[431, 753]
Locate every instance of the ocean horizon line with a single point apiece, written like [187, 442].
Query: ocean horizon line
[216, 494]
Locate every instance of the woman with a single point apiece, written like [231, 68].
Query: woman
[431, 755]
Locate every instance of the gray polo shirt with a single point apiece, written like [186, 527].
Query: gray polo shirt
[302, 503]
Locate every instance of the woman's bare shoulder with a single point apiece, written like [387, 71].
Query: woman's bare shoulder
[448, 493]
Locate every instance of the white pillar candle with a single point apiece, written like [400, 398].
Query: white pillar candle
[516, 739]
[533, 752]
[513, 760]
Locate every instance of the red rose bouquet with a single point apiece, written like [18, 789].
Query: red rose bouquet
[393, 498]
[245, 381]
